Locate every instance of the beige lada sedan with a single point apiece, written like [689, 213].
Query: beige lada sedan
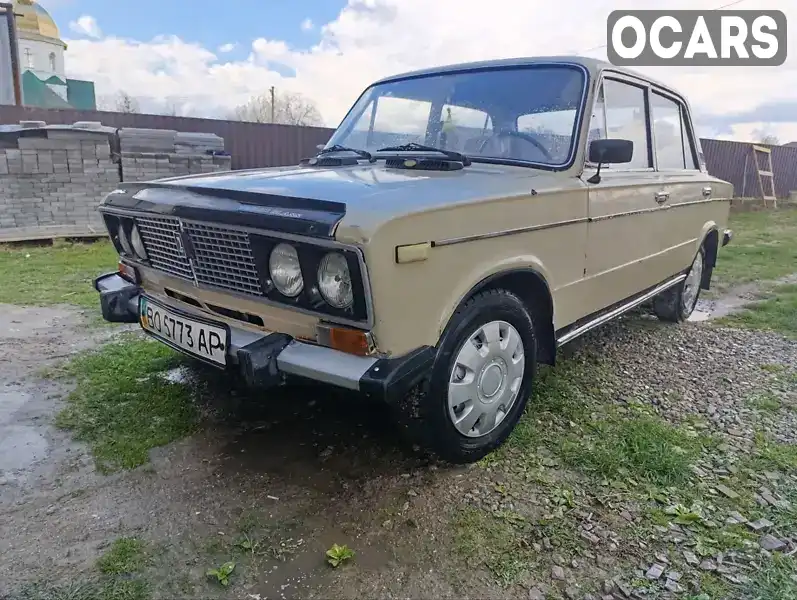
[461, 224]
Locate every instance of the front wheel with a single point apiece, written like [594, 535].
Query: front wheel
[677, 303]
[481, 379]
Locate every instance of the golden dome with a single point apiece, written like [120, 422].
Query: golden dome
[31, 17]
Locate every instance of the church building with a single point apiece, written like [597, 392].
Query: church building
[41, 62]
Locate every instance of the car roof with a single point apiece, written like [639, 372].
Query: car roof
[593, 65]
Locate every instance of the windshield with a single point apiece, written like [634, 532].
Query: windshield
[525, 113]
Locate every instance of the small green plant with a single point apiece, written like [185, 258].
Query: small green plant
[565, 498]
[248, 544]
[222, 574]
[684, 515]
[337, 555]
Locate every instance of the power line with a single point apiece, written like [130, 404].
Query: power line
[734, 3]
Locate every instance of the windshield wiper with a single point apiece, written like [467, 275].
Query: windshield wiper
[338, 148]
[423, 148]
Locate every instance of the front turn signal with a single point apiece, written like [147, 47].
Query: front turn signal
[129, 272]
[350, 341]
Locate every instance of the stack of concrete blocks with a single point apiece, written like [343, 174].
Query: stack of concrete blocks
[51, 186]
[53, 178]
[150, 154]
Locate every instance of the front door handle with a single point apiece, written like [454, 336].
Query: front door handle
[707, 191]
[662, 197]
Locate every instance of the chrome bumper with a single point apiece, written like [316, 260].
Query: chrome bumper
[265, 358]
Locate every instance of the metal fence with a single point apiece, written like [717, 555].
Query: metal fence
[733, 162]
[250, 144]
[264, 145]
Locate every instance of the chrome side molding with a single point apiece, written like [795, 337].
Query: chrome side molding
[623, 308]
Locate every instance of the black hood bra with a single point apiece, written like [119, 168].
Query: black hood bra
[285, 214]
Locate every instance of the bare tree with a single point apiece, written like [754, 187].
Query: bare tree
[125, 103]
[287, 108]
[769, 139]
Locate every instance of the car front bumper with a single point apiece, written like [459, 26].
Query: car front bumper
[265, 359]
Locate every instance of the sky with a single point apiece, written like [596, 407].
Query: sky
[203, 58]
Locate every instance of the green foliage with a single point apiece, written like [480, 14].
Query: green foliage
[337, 555]
[222, 574]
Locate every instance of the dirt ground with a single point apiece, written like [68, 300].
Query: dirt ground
[301, 469]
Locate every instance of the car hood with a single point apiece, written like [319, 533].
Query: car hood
[314, 200]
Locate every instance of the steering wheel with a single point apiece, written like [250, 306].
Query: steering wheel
[526, 137]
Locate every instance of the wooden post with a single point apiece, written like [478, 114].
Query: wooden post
[8, 8]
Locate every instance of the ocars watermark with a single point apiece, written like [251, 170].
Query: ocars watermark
[696, 37]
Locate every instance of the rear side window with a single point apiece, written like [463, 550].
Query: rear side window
[673, 145]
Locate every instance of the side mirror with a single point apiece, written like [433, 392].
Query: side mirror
[609, 152]
[319, 146]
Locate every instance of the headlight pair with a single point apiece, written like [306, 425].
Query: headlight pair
[133, 245]
[334, 278]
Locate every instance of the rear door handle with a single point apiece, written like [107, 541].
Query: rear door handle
[662, 197]
[707, 191]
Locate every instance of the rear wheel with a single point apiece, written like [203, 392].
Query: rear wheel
[481, 379]
[677, 303]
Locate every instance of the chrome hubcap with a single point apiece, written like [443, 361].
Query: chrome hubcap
[485, 378]
[692, 283]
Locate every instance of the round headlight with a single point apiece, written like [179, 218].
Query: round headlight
[283, 264]
[138, 244]
[334, 280]
[123, 241]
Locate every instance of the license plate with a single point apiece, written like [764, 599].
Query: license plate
[196, 337]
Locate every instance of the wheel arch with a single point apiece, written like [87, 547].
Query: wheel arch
[531, 286]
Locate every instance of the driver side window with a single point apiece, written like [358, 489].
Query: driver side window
[620, 112]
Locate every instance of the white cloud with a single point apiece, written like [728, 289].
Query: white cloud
[374, 38]
[307, 25]
[86, 25]
[225, 48]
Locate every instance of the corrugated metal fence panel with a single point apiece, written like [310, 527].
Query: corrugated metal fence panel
[250, 144]
[733, 162]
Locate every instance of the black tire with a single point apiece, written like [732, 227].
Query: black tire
[670, 305]
[424, 413]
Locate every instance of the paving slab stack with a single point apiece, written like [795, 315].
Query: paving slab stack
[158, 153]
[53, 177]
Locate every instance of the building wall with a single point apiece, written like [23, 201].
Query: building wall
[51, 187]
[40, 51]
[6, 81]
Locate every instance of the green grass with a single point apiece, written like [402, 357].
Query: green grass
[126, 555]
[645, 448]
[110, 589]
[121, 407]
[778, 312]
[568, 415]
[120, 578]
[57, 274]
[765, 401]
[776, 581]
[491, 542]
[771, 455]
[764, 248]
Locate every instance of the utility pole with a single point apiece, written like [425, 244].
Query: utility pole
[272, 103]
[14, 50]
